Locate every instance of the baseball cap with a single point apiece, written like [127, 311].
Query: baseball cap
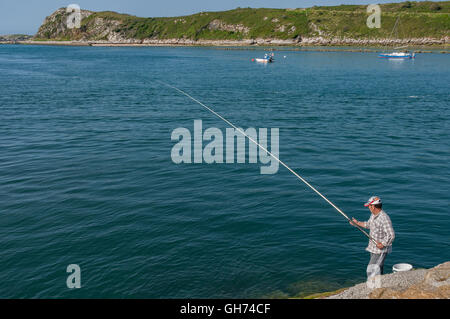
[374, 200]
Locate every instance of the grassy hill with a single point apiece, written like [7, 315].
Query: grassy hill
[417, 20]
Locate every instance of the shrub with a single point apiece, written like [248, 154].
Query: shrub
[407, 4]
[435, 7]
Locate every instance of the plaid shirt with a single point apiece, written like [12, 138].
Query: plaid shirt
[381, 230]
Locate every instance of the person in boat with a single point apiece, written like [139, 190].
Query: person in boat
[381, 231]
[268, 56]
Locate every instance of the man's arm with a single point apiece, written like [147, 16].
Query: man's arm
[360, 224]
[390, 234]
[365, 225]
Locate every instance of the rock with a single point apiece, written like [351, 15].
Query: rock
[410, 293]
[280, 28]
[433, 283]
[56, 24]
[438, 276]
[217, 24]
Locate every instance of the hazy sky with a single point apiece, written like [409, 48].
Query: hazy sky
[25, 16]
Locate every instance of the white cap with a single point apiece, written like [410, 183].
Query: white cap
[374, 200]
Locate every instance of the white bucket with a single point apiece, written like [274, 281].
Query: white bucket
[401, 267]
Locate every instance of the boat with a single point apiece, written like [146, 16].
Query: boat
[268, 58]
[397, 54]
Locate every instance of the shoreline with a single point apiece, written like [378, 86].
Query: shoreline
[244, 45]
[433, 283]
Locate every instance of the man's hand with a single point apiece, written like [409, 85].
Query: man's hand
[353, 222]
[380, 246]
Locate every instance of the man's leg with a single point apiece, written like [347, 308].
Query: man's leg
[376, 264]
[372, 268]
[381, 262]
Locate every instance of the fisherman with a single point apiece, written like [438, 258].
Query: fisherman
[381, 231]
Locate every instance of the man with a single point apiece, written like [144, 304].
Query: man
[381, 231]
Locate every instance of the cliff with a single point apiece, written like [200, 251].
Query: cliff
[420, 23]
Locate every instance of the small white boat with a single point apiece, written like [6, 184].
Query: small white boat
[268, 58]
[398, 55]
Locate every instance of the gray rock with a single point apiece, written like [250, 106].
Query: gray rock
[399, 280]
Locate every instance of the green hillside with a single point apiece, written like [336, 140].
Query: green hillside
[417, 19]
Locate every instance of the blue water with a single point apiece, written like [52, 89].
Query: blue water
[86, 175]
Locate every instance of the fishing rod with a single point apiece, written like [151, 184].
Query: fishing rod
[270, 153]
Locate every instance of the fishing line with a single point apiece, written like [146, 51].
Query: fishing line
[265, 150]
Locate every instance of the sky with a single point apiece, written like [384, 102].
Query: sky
[25, 16]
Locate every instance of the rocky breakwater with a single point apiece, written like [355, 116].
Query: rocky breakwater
[433, 283]
[373, 41]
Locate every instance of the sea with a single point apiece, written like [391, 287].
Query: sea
[88, 178]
